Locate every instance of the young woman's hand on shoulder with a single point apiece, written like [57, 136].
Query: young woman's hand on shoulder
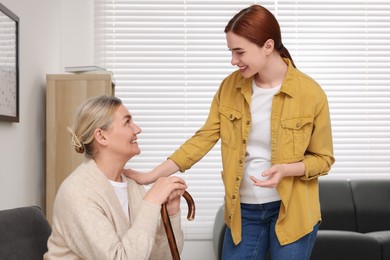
[139, 177]
[165, 169]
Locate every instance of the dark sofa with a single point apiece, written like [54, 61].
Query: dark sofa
[355, 221]
[23, 233]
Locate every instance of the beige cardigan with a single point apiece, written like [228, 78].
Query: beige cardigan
[89, 223]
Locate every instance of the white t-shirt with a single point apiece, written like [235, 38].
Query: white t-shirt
[121, 191]
[258, 153]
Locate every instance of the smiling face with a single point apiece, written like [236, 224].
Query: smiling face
[247, 56]
[121, 136]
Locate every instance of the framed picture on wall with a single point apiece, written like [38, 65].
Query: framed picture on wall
[9, 65]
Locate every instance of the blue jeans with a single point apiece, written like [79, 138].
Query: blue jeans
[258, 236]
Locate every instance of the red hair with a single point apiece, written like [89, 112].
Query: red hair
[256, 24]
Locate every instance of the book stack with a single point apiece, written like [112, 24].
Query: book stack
[86, 69]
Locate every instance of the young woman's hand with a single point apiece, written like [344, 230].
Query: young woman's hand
[139, 177]
[167, 189]
[277, 172]
[273, 174]
[167, 168]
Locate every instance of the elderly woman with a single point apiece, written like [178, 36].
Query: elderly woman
[98, 212]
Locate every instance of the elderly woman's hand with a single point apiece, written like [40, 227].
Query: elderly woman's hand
[173, 203]
[167, 189]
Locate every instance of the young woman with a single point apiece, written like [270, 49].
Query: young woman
[99, 213]
[274, 126]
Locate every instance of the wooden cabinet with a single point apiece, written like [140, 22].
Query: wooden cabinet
[64, 94]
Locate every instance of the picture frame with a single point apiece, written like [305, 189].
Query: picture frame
[9, 65]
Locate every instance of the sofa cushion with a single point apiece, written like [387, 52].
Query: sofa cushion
[337, 208]
[372, 202]
[23, 233]
[384, 239]
[345, 245]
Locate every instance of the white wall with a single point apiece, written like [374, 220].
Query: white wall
[53, 34]
[22, 145]
[76, 39]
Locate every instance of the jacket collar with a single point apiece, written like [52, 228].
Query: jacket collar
[287, 85]
[290, 81]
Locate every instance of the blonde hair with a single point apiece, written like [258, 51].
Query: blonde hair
[95, 113]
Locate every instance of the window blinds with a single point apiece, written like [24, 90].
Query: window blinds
[169, 57]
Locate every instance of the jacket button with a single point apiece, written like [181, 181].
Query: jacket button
[231, 116]
[240, 161]
[248, 122]
[243, 141]
[297, 125]
[237, 179]
[233, 197]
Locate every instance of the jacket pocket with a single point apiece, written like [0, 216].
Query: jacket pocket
[296, 134]
[230, 125]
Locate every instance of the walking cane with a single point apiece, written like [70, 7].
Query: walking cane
[168, 225]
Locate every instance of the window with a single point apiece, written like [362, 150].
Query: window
[169, 57]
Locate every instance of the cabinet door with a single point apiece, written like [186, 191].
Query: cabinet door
[64, 95]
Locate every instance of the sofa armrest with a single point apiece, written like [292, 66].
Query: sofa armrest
[219, 232]
[23, 233]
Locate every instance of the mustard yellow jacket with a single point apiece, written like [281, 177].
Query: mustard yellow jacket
[300, 131]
